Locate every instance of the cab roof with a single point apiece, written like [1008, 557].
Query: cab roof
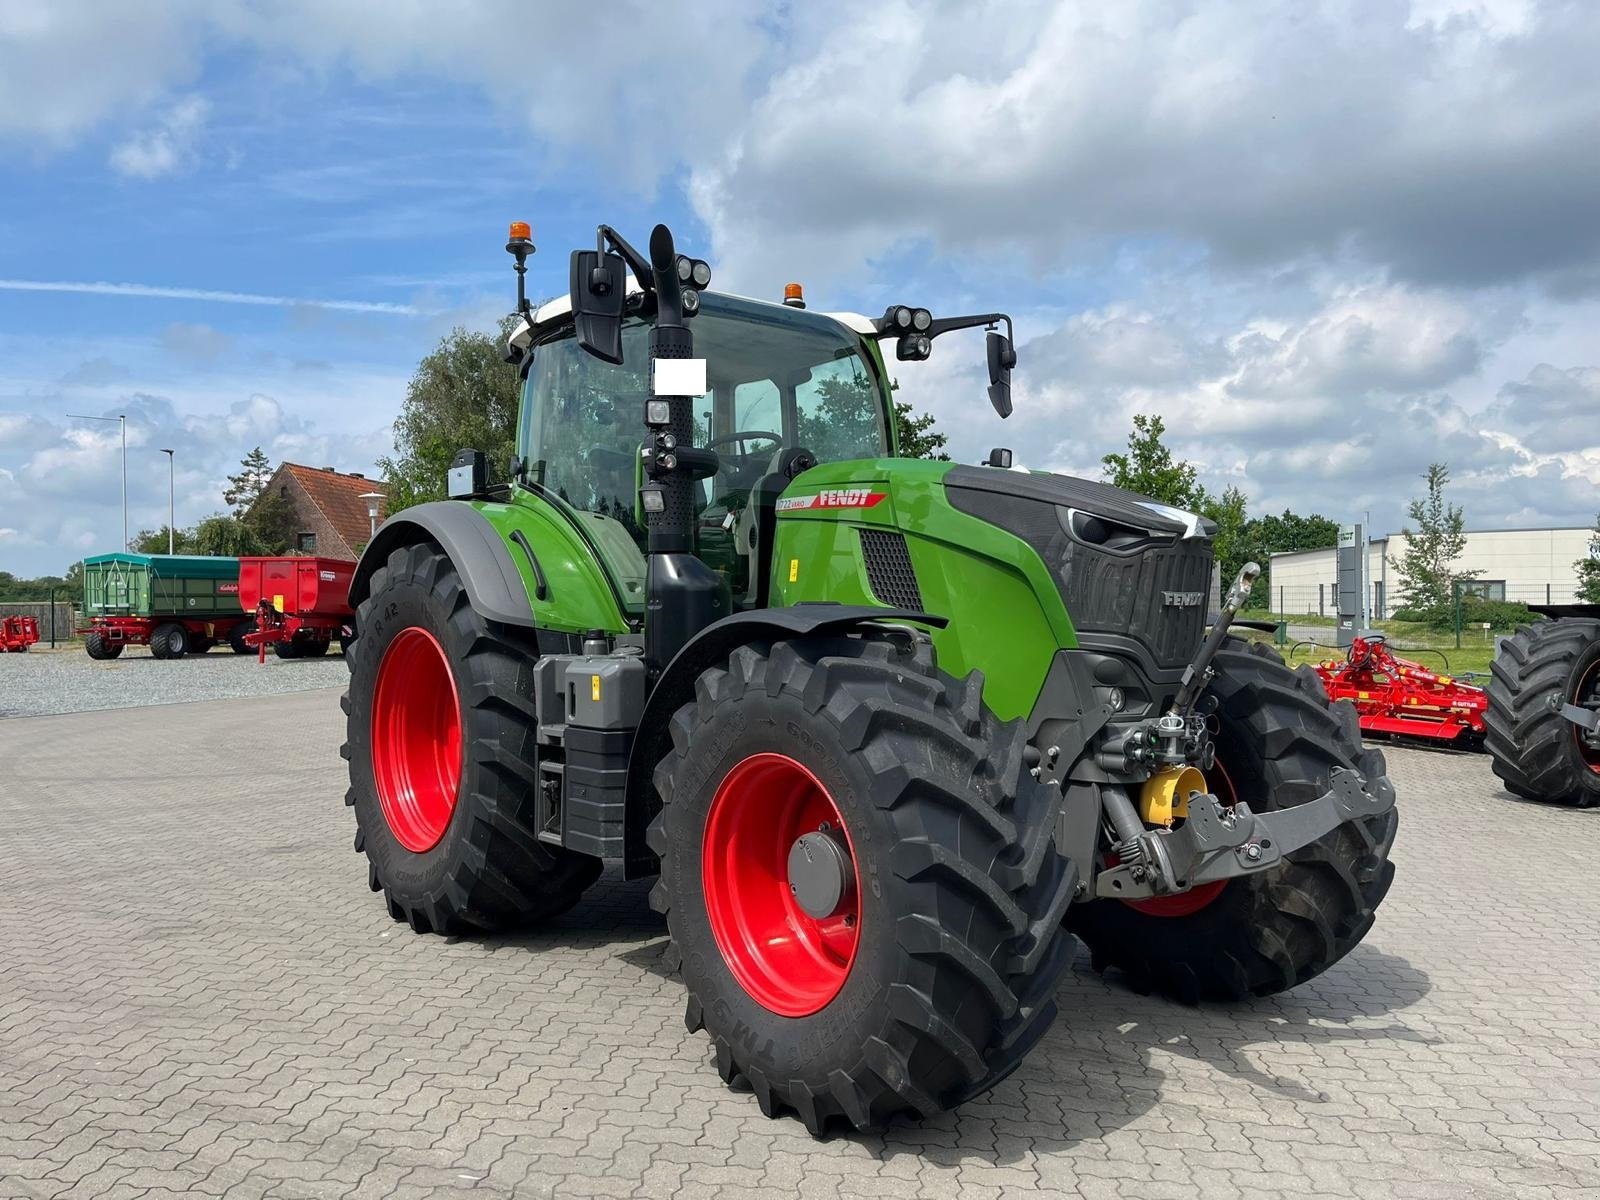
[553, 312]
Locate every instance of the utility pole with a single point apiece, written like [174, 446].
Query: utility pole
[122, 420]
[171, 476]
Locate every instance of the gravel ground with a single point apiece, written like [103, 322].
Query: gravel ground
[66, 680]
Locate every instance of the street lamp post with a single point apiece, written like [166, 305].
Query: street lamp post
[373, 499]
[171, 476]
[122, 420]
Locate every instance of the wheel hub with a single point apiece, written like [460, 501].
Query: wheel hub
[820, 873]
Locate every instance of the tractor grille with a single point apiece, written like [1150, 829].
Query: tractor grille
[889, 572]
[1148, 590]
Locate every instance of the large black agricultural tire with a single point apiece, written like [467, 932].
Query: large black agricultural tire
[487, 870]
[1534, 749]
[169, 641]
[286, 649]
[236, 637]
[200, 645]
[960, 941]
[1278, 741]
[311, 648]
[99, 647]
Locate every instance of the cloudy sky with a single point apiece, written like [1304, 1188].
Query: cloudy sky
[1328, 242]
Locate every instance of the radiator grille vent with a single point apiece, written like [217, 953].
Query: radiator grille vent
[889, 572]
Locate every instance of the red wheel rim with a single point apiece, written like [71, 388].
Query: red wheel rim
[416, 739]
[1585, 691]
[790, 962]
[1184, 904]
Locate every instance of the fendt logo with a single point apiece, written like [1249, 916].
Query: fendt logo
[1182, 599]
[834, 498]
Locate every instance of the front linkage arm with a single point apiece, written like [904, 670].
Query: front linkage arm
[1216, 843]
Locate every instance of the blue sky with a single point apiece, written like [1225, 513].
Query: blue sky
[1328, 246]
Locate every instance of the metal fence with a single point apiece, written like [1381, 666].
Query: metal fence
[1321, 600]
[64, 614]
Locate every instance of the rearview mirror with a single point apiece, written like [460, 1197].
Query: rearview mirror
[599, 293]
[1002, 357]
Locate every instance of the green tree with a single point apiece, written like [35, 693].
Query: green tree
[462, 395]
[1263, 536]
[272, 523]
[1149, 468]
[1227, 512]
[1588, 569]
[245, 488]
[1427, 574]
[154, 541]
[918, 436]
[226, 536]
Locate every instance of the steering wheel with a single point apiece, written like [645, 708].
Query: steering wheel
[741, 437]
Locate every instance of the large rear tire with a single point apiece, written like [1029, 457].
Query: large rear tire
[236, 637]
[440, 746]
[1536, 751]
[935, 973]
[1278, 741]
[99, 647]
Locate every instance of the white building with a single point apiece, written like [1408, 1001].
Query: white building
[1534, 566]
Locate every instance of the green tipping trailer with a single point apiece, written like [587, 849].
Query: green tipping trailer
[176, 604]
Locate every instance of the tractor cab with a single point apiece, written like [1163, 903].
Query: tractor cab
[786, 389]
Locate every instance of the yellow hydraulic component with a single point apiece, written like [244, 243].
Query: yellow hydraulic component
[1165, 795]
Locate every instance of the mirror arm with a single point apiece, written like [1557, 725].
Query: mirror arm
[637, 263]
[947, 324]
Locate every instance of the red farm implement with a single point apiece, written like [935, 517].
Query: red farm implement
[1396, 696]
[18, 633]
[301, 605]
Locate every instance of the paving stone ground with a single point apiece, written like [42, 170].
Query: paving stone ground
[198, 995]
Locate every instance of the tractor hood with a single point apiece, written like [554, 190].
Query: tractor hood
[1135, 574]
[1085, 496]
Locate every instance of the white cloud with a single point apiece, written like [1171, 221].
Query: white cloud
[1437, 151]
[167, 147]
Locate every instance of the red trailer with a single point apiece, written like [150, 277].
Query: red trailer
[1396, 696]
[301, 604]
[18, 633]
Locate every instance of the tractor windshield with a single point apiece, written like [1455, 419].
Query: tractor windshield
[780, 377]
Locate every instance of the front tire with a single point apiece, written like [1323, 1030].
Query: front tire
[441, 753]
[237, 634]
[1535, 751]
[934, 973]
[1278, 741]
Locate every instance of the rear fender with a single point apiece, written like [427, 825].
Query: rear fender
[675, 688]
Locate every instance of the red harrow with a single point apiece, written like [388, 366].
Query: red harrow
[1396, 696]
[18, 633]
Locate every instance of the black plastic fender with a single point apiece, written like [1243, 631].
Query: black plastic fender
[675, 688]
[492, 581]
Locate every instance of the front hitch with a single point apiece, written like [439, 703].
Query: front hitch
[1216, 843]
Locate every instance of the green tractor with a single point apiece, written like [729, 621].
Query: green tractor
[891, 734]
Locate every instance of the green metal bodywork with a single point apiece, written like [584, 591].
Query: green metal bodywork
[1005, 611]
[572, 547]
[153, 585]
